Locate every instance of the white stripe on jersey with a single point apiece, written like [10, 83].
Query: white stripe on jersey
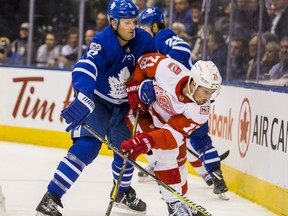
[78, 69]
[185, 49]
[90, 63]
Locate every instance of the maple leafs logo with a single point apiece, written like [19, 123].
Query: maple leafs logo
[244, 128]
[117, 85]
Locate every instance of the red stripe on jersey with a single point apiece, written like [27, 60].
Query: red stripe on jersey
[196, 163]
[171, 176]
[181, 158]
[185, 188]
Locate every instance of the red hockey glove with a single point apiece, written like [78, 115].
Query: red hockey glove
[133, 97]
[140, 144]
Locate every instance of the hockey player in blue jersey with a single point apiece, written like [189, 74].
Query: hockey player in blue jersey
[168, 43]
[101, 101]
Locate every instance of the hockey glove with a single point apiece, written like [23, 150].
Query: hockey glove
[133, 97]
[140, 144]
[77, 112]
[146, 92]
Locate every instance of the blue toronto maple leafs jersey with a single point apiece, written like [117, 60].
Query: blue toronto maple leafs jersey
[106, 66]
[170, 44]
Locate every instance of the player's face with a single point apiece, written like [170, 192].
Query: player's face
[202, 95]
[126, 28]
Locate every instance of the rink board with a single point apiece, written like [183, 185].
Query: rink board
[251, 123]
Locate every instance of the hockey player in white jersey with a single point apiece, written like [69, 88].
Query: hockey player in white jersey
[100, 100]
[182, 105]
[170, 44]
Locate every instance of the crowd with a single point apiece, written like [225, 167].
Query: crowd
[56, 50]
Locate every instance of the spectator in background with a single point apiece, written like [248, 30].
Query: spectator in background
[101, 21]
[183, 14]
[217, 52]
[165, 11]
[271, 57]
[7, 56]
[155, 3]
[89, 34]
[253, 53]
[196, 17]
[20, 45]
[239, 59]
[140, 4]
[270, 37]
[246, 16]
[279, 19]
[48, 53]
[180, 30]
[69, 52]
[222, 22]
[280, 70]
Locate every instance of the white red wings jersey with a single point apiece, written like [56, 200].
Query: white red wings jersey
[175, 115]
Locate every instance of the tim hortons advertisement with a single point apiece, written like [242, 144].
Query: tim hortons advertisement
[253, 124]
[34, 98]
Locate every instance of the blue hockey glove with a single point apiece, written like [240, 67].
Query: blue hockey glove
[77, 112]
[146, 92]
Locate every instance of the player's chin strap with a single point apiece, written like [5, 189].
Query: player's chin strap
[190, 93]
[201, 211]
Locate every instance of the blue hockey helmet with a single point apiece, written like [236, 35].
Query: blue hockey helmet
[151, 15]
[118, 9]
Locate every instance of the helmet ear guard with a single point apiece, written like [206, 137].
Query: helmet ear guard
[118, 9]
[206, 74]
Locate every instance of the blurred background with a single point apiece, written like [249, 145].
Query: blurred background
[246, 39]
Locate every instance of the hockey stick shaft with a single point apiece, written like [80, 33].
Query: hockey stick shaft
[222, 156]
[199, 208]
[123, 168]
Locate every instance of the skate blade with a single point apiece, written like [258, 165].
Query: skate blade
[122, 206]
[223, 196]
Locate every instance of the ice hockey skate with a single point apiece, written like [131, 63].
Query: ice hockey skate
[220, 187]
[207, 178]
[143, 177]
[128, 200]
[49, 205]
[180, 209]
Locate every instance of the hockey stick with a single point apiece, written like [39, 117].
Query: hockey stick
[121, 174]
[222, 156]
[201, 211]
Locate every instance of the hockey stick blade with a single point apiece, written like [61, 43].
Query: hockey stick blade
[222, 156]
[201, 211]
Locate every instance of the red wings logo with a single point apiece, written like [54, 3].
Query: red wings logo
[164, 101]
